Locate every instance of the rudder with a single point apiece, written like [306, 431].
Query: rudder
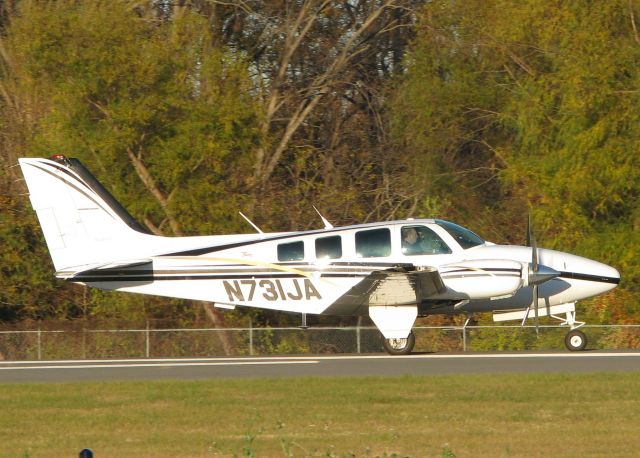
[82, 223]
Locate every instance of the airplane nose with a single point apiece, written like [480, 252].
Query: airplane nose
[600, 272]
[608, 273]
[608, 279]
[593, 277]
[587, 277]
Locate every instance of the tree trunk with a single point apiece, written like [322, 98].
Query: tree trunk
[216, 318]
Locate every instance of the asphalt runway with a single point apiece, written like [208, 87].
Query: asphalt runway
[316, 366]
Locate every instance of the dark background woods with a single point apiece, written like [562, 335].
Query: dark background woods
[479, 111]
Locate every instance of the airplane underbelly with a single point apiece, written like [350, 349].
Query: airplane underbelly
[289, 294]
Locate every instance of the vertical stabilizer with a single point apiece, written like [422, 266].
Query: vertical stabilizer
[83, 224]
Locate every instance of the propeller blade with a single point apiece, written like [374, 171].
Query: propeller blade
[535, 306]
[537, 275]
[534, 255]
[531, 241]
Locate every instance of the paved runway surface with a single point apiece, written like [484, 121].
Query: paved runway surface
[314, 366]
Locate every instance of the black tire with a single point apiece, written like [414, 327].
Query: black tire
[399, 346]
[575, 340]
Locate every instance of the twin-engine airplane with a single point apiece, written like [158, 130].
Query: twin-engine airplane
[392, 271]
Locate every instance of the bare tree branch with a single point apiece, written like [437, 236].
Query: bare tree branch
[633, 22]
[152, 187]
[267, 160]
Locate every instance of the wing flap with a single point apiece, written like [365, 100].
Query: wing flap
[393, 287]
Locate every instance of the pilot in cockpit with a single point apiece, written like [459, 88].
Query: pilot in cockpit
[411, 241]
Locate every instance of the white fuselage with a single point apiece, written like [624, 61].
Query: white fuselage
[256, 270]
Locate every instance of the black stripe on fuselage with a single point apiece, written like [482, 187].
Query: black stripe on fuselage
[148, 275]
[151, 277]
[589, 277]
[479, 275]
[237, 269]
[224, 272]
[489, 270]
[401, 265]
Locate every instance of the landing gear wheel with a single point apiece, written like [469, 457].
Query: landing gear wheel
[399, 346]
[575, 340]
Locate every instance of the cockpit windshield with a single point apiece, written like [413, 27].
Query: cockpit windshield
[465, 238]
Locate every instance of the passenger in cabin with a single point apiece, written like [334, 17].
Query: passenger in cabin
[411, 241]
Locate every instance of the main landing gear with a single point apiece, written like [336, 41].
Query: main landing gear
[399, 346]
[575, 340]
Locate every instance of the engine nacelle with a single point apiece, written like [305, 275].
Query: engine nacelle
[483, 278]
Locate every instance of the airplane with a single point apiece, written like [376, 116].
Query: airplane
[392, 271]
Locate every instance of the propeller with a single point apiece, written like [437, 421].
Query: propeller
[538, 273]
[533, 270]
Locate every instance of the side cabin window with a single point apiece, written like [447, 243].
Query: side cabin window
[329, 247]
[293, 251]
[373, 243]
[420, 240]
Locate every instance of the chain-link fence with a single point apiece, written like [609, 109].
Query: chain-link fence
[174, 343]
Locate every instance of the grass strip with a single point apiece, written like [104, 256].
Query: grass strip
[479, 415]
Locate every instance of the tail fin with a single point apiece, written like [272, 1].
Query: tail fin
[83, 224]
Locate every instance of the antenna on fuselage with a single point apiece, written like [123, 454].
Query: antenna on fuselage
[327, 224]
[251, 222]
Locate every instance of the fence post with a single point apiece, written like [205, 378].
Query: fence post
[464, 332]
[147, 352]
[39, 344]
[250, 337]
[84, 343]
[358, 337]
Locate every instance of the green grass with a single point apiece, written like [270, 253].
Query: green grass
[462, 416]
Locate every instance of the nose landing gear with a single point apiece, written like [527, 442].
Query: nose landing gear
[575, 340]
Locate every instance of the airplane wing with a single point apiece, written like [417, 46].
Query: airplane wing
[393, 287]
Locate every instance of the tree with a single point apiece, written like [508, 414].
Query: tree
[164, 117]
[531, 107]
[320, 68]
